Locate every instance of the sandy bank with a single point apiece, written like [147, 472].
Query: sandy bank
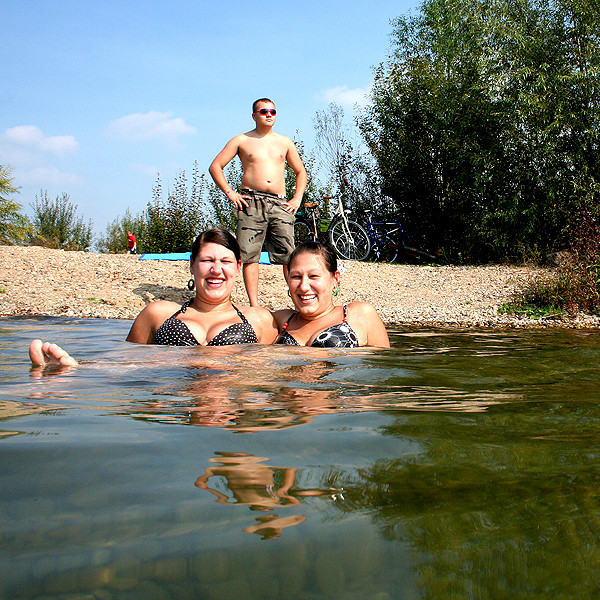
[39, 281]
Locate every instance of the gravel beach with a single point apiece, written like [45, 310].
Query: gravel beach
[40, 281]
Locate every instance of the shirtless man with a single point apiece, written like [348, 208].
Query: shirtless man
[263, 212]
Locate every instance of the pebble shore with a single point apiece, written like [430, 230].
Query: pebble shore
[40, 281]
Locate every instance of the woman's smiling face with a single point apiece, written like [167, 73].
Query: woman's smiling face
[215, 270]
[311, 284]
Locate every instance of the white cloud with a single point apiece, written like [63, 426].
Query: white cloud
[150, 125]
[346, 97]
[47, 177]
[31, 153]
[32, 138]
[144, 169]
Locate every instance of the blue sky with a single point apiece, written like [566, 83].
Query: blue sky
[99, 97]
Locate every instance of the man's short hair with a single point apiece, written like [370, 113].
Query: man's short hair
[261, 100]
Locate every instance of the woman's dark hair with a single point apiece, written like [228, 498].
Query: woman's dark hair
[325, 251]
[216, 236]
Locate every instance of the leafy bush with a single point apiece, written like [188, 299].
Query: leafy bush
[575, 285]
[56, 225]
[174, 223]
[14, 227]
[114, 241]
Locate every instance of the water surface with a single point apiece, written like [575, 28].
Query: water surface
[457, 464]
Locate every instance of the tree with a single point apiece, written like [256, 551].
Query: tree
[312, 192]
[114, 241]
[173, 224]
[15, 228]
[56, 225]
[484, 123]
[351, 170]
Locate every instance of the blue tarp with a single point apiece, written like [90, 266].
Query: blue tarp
[264, 257]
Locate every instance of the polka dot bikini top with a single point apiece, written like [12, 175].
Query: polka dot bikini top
[174, 332]
[336, 336]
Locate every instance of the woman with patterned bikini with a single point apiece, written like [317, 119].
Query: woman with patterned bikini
[313, 280]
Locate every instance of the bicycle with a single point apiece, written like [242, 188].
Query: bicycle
[390, 241]
[348, 238]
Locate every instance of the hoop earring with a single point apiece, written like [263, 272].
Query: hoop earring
[335, 291]
[191, 284]
[288, 293]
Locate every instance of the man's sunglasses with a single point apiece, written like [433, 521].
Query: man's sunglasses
[267, 111]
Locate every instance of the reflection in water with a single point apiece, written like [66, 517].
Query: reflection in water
[458, 464]
[242, 479]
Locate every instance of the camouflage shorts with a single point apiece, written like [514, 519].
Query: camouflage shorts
[265, 220]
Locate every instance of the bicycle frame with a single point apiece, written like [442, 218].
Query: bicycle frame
[311, 216]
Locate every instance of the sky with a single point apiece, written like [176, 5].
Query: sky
[97, 98]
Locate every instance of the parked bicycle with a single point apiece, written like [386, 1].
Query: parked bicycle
[390, 242]
[348, 237]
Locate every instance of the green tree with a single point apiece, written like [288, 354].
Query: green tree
[56, 224]
[350, 168]
[218, 208]
[15, 228]
[484, 122]
[173, 224]
[114, 240]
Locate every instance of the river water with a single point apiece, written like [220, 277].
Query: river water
[457, 464]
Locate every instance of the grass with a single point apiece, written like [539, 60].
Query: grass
[531, 311]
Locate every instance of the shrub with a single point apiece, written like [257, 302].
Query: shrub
[575, 285]
[56, 225]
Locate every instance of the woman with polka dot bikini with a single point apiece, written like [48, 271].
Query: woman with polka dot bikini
[208, 319]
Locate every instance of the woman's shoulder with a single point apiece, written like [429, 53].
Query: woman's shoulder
[163, 306]
[282, 315]
[361, 309]
[262, 321]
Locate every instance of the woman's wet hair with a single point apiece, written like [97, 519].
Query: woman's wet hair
[216, 236]
[325, 251]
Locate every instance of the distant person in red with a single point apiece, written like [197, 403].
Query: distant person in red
[131, 243]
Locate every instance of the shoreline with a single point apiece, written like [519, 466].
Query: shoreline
[45, 282]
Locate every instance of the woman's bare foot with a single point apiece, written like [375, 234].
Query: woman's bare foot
[45, 354]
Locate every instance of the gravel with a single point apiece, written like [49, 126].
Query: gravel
[40, 281]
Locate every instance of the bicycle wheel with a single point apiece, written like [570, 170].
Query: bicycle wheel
[350, 243]
[302, 233]
[388, 250]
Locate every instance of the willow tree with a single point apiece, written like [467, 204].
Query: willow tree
[14, 226]
[484, 122]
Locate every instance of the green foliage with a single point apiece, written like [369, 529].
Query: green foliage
[312, 192]
[485, 121]
[56, 225]
[15, 228]
[219, 210]
[351, 170]
[114, 241]
[575, 286]
[174, 223]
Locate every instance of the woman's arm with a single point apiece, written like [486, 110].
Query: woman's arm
[366, 319]
[263, 322]
[149, 320]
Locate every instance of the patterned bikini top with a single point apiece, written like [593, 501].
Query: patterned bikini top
[336, 336]
[174, 332]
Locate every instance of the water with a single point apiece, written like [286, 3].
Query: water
[458, 464]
